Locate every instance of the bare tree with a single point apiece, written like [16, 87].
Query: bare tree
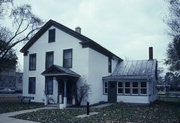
[24, 24]
[173, 21]
[4, 5]
[82, 92]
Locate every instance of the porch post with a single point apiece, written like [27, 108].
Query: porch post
[65, 98]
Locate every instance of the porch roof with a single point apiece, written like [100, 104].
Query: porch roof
[56, 70]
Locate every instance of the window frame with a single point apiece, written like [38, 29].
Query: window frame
[143, 88]
[32, 64]
[127, 88]
[64, 51]
[50, 37]
[104, 88]
[109, 65]
[120, 88]
[32, 91]
[132, 87]
[46, 63]
[47, 80]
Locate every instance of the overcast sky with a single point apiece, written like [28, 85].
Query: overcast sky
[125, 27]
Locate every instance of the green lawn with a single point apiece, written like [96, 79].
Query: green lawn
[158, 112]
[11, 106]
[170, 99]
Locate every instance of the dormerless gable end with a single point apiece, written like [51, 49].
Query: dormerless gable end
[89, 43]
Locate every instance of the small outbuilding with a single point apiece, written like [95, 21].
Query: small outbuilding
[132, 82]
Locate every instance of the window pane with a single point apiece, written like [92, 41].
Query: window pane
[49, 59]
[143, 84]
[32, 84]
[143, 91]
[120, 84]
[120, 90]
[127, 90]
[105, 84]
[49, 85]
[127, 84]
[67, 58]
[135, 84]
[68, 54]
[52, 35]
[109, 65]
[106, 91]
[32, 61]
[135, 91]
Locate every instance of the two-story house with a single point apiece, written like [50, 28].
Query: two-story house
[57, 58]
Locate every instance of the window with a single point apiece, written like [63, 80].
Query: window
[120, 88]
[49, 85]
[105, 87]
[143, 88]
[32, 62]
[32, 85]
[67, 58]
[127, 88]
[49, 59]
[52, 35]
[135, 88]
[109, 65]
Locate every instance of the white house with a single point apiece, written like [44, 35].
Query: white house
[57, 59]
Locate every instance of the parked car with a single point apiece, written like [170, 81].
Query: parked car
[7, 90]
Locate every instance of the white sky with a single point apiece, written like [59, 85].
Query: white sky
[125, 27]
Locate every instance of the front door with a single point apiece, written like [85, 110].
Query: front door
[112, 91]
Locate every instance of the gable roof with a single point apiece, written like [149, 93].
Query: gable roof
[135, 69]
[56, 70]
[71, 32]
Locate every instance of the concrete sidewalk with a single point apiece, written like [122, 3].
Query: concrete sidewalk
[102, 105]
[5, 118]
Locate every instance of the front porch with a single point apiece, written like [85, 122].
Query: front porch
[60, 86]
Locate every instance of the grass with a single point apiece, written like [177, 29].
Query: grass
[158, 112]
[170, 99]
[11, 106]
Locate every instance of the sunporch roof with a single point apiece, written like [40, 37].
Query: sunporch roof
[135, 69]
[56, 70]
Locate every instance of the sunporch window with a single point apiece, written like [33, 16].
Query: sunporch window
[143, 88]
[105, 89]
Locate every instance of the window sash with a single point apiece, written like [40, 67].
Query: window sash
[105, 87]
[52, 35]
[109, 65]
[49, 59]
[67, 58]
[49, 85]
[120, 88]
[32, 85]
[32, 62]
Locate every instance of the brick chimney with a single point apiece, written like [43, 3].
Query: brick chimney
[150, 53]
[78, 29]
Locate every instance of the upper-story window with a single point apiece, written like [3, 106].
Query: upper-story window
[49, 59]
[32, 62]
[109, 65]
[52, 34]
[67, 58]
